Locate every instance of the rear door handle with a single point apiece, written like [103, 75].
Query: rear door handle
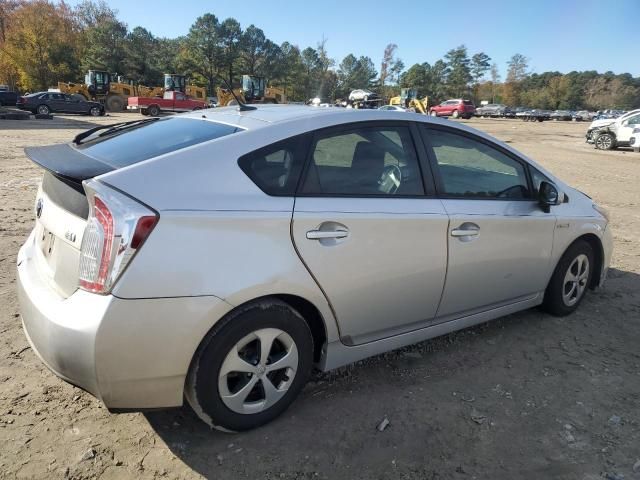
[322, 234]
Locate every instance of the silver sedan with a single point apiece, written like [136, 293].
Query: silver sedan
[219, 256]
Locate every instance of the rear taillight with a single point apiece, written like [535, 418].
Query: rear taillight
[116, 229]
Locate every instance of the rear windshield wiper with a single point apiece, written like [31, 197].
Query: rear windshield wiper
[109, 129]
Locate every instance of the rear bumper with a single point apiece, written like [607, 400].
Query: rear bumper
[131, 354]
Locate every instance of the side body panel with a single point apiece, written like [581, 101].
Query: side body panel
[508, 259]
[386, 276]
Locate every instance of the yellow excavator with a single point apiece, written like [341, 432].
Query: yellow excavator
[114, 90]
[254, 90]
[408, 99]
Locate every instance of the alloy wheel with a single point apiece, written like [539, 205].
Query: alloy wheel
[603, 142]
[258, 371]
[575, 280]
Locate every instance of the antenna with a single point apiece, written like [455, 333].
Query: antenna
[242, 107]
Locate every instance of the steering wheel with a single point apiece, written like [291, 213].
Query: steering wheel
[390, 179]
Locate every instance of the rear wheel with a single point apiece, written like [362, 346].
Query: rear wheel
[153, 110]
[251, 366]
[570, 279]
[455, 114]
[43, 110]
[95, 111]
[604, 141]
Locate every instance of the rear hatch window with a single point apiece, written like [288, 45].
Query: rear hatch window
[469, 102]
[151, 139]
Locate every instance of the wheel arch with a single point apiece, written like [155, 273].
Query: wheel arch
[598, 251]
[314, 320]
[596, 244]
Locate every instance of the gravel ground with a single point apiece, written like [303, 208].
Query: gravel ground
[526, 396]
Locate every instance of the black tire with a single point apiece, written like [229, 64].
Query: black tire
[95, 111]
[604, 141]
[144, 111]
[153, 110]
[202, 388]
[556, 302]
[43, 109]
[115, 103]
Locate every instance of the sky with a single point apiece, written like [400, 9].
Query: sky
[555, 35]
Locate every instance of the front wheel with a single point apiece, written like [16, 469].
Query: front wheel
[43, 109]
[570, 280]
[604, 141]
[434, 113]
[250, 367]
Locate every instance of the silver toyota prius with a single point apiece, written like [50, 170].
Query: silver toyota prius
[219, 256]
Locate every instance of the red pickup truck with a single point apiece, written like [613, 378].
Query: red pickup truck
[172, 102]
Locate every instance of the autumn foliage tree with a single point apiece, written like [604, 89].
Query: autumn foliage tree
[40, 43]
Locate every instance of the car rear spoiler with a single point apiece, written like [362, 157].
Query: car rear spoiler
[67, 163]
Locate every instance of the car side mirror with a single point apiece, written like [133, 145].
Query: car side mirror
[548, 196]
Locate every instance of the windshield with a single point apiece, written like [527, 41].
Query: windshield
[149, 140]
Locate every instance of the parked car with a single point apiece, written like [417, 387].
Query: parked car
[609, 134]
[220, 255]
[55, 102]
[534, 115]
[583, 116]
[362, 94]
[393, 108]
[493, 110]
[8, 98]
[453, 108]
[513, 112]
[561, 115]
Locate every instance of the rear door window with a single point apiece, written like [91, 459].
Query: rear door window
[152, 139]
[364, 161]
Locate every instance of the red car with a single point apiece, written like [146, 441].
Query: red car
[172, 102]
[454, 108]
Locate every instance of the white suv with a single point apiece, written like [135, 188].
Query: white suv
[609, 134]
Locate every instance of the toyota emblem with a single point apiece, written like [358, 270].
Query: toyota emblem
[39, 205]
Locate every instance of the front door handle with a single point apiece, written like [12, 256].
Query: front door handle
[459, 232]
[324, 234]
[467, 229]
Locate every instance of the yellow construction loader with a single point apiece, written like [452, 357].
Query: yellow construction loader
[254, 90]
[408, 99]
[178, 83]
[113, 90]
[99, 85]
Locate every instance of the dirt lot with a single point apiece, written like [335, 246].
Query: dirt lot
[526, 396]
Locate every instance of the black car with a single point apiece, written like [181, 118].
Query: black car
[8, 98]
[50, 102]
